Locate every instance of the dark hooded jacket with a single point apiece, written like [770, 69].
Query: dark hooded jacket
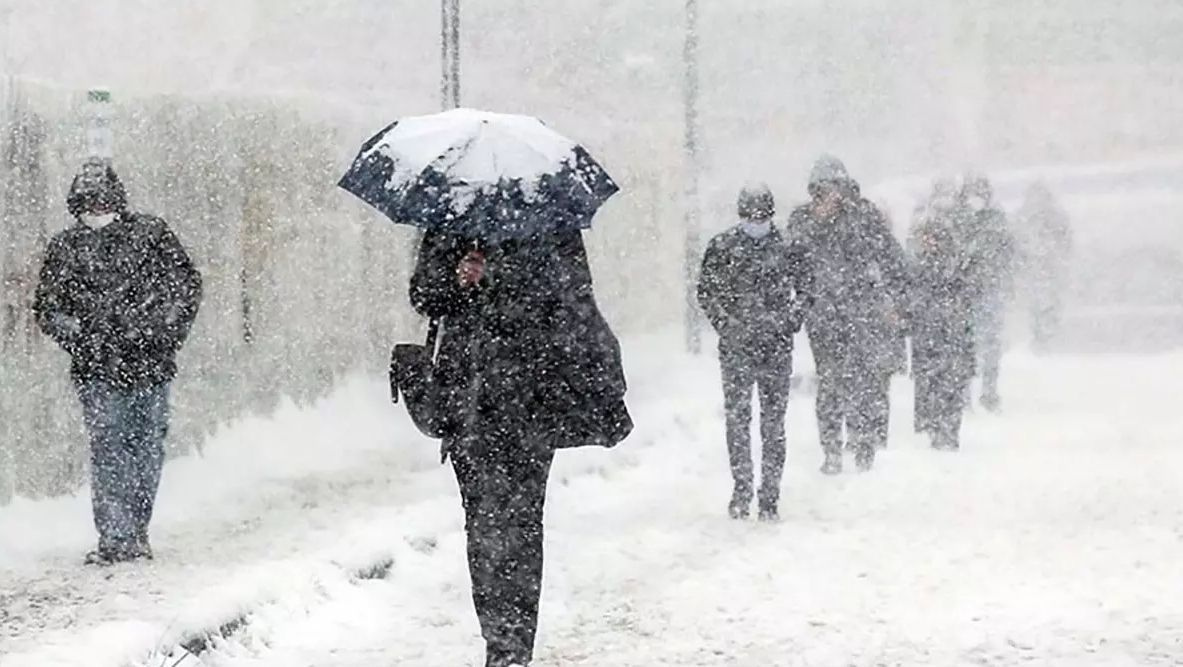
[990, 248]
[120, 300]
[526, 353]
[857, 281]
[943, 292]
[748, 290]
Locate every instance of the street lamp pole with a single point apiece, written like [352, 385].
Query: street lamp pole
[692, 205]
[450, 53]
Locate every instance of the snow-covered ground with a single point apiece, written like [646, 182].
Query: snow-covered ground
[1054, 538]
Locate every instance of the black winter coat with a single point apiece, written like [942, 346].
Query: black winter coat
[943, 293]
[856, 287]
[748, 290]
[120, 300]
[525, 354]
[989, 246]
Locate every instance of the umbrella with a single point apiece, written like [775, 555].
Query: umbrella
[479, 175]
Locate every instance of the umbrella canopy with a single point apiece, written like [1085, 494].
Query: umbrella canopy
[479, 175]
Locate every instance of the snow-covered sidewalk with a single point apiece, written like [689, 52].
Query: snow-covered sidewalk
[249, 520]
[1054, 537]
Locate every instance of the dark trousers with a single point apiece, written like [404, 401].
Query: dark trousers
[503, 489]
[1045, 318]
[855, 395]
[771, 378]
[939, 400]
[127, 430]
[948, 430]
[989, 327]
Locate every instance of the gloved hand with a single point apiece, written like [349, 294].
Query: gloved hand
[91, 344]
[471, 269]
[796, 316]
[128, 328]
[900, 321]
[66, 327]
[732, 329]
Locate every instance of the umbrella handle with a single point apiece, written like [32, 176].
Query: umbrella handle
[433, 332]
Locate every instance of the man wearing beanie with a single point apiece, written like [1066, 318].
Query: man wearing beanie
[857, 292]
[748, 290]
[119, 294]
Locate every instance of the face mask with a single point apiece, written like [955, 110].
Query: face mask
[98, 221]
[756, 229]
[977, 203]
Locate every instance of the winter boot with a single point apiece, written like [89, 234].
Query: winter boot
[992, 403]
[140, 549]
[739, 507]
[945, 440]
[864, 458]
[503, 659]
[109, 553]
[101, 557]
[497, 659]
[767, 503]
[833, 463]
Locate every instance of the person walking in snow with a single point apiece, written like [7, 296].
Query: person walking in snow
[989, 249]
[943, 202]
[856, 290]
[527, 365]
[119, 293]
[1046, 248]
[943, 293]
[748, 290]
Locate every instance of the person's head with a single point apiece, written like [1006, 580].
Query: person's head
[1039, 193]
[96, 193]
[830, 184]
[944, 197]
[976, 192]
[756, 203]
[756, 207]
[944, 190]
[935, 240]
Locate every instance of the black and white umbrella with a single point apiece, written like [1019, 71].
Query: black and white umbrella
[479, 175]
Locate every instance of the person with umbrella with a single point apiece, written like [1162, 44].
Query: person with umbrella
[527, 364]
[748, 290]
[119, 293]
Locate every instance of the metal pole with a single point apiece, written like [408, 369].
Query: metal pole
[693, 232]
[6, 18]
[455, 53]
[445, 51]
[450, 53]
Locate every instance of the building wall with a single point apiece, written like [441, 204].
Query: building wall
[302, 282]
